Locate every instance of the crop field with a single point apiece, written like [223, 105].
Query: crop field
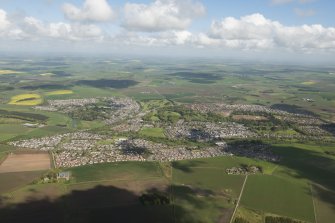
[9, 72]
[279, 196]
[59, 92]
[26, 99]
[15, 180]
[22, 162]
[116, 171]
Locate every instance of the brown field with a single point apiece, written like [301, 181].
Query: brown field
[25, 162]
[14, 180]
[249, 117]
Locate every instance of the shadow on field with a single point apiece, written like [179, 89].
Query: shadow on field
[293, 109]
[186, 166]
[329, 127]
[100, 204]
[313, 166]
[195, 77]
[108, 83]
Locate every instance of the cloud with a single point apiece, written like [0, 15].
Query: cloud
[35, 29]
[304, 12]
[256, 32]
[161, 15]
[91, 11]
[4, 23]
[282, 2]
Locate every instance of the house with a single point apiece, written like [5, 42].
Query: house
[64, 175]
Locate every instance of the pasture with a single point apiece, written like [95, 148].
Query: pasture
[152, 132]
[279, 196]
[22, 162]
[116, 171]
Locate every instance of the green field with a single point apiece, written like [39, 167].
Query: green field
[153, 132]
[279, 196]
[116, 171]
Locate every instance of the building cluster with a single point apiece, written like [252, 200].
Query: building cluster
[221, 107]
[253, 150]
[82, 148]
[78, 140]
[111, 109]
[66, 105]
[300, 120]
[243, 170]
[207, 131]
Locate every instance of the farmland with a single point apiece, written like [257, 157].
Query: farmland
[25, 162]
[183, 134]
[26, 99]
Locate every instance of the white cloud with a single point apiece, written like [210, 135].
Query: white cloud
[161, 15]
[36, 29]
[91, 11]
[256, 32]
[4, 23]
[282, 2]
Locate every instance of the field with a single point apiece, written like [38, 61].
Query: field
[117, 171]
[153, 132]
[26, 99]
[9, 72]
[22, 162]
[279, 196]
[299, 185]
[59, 92]
[15, 180]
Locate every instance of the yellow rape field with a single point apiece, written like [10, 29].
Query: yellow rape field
[26, 99]
[59, 92]
[308, 83]
[9, 72]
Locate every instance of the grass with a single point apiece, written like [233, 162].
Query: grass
[59, 92]
[116, 171]
[251, 215]
[209, 173]
[8, 131]
[152, 132]
[211, 179]
[29, 99]
[324, 201]
[279, 196]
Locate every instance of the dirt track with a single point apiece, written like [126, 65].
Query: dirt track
[25, 162]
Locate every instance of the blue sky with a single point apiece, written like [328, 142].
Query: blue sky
[295, 27]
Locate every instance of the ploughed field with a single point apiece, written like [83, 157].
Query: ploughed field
[23, 162]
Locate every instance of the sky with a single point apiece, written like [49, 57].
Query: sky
[277, 29]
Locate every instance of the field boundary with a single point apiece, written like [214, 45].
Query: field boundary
[239, 198]
[312, 194]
